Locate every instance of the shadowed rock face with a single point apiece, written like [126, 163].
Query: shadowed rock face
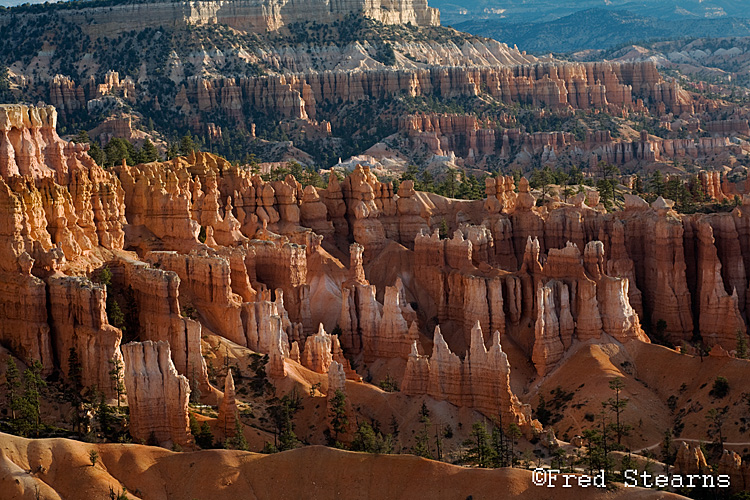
[157, 395]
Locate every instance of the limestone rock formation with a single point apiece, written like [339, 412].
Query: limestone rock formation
[317, 354]
[720, 316]
[157, 395]
[227, 418]
[480, 381]
[690, 460]
[79, 321]
[394, 336]
[156, 294]
[548, 346]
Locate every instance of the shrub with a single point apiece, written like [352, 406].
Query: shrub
[720, 388]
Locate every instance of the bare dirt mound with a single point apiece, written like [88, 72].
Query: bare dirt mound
[60, 468]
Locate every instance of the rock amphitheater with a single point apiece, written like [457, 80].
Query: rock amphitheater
[516, 300]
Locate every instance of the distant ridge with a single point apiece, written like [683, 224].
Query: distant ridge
[604, 29]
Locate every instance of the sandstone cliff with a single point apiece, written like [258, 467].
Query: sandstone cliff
[157, 395]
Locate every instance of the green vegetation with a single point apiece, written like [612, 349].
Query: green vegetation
[421, 446]
[550, 412]
[617, 405]
[385, 54]
[720, 388]
[741, 350]
[457, 184]
[338, 417]
[93, 457]
[201, 433]
[389, 384]
[282, 414]
[370, 439]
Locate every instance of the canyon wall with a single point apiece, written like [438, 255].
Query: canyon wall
[253, 16]
[471, 140]
[554, 85]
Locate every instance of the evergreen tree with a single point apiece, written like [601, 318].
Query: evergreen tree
[104, 415]
[424, 413]
[95, 151]
[514, 433]
[82, 137]
[541, 179]
[205, 438]
[337, 414]
[716, 417]
[239, 442]
[741, 351]
[606, 190]
[656, 184]
[282, 414]
[13, 387]
[30, 402]
[172, 152]
[668, 454]
[187, 145]
[117, 378]
[97, 154]
[117, 150]
[500, 447]
[148, 152]
[75, 373]
[575, 176]
[371, 440]
[443, 230]
[638, 184]
[6, 95]
[617, 405]
[480, 451]
[422, 441]
[598, 454]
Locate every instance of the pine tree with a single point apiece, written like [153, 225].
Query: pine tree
[617, 405]
[656, 184]
[239, 442]
[117, 150]
[741, 352]
[13, 387]
[500, 446]
[337, 413]
[75, 373]
[422, 441]
[667, 452]
[187, 145]
[148, 152]
[30, 402]
[116, 375]
[104, 414]
[716, 418]
[514, 432]
[480, 452]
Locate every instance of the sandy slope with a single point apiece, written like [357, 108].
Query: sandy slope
[311, 472]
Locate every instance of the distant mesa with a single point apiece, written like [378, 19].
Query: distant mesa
[252, 16]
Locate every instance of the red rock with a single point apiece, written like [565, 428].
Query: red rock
[227, 418]
[157, 395]
[79, 321]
